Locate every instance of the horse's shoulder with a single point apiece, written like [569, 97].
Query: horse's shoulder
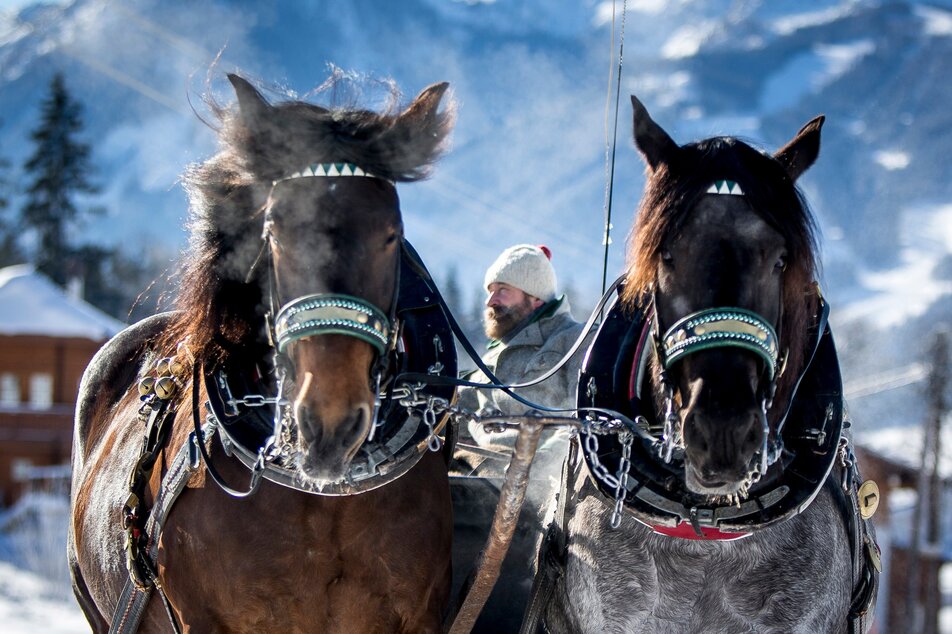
[113, 369]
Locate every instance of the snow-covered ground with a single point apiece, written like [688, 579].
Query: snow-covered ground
[35, 595]
[30, 604]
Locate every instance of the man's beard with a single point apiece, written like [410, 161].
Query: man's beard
[499, 321]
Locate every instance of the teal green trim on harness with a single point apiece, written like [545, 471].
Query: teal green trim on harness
[326, 313]
[721, 328]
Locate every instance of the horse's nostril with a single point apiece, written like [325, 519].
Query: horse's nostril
[360, 422]
[310, 432]
[694, 434]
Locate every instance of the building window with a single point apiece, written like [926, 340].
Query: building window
[21, 469]
[9, 389]
[41, 391]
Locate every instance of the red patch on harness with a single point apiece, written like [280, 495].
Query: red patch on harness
[684, 530]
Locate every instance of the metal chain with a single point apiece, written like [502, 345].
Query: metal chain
[428, 407]
[433, 441]
[621, 487]
[590, 428]
[847, 460]
[256, 400]
[671, 437]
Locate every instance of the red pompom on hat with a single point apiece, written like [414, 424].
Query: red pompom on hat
[546, 250]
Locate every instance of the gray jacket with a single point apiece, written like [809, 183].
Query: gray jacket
[530, 353]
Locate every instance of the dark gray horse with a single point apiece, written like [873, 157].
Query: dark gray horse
[734, 490]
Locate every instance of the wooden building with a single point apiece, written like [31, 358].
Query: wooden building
[47, 338]
[890, 460]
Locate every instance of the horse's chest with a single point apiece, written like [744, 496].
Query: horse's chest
[308, 560]
[631, 580]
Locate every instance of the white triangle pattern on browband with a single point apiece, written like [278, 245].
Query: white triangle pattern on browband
[328, 170]
[725, 187]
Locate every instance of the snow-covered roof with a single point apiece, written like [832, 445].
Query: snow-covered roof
[31, 304]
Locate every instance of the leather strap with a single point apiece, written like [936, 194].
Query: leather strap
[133, 600]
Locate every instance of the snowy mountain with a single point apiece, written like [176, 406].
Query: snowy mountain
[528, 156]
[528, 159]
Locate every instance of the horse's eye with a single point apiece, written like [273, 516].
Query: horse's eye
[781, 264]
[392, 238]
[666, 256]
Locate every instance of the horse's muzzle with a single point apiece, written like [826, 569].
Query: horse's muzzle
[719, 450]
[328, 447]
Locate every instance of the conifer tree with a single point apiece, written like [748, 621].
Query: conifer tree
[9, 250]
[58, 170]
[451, 291]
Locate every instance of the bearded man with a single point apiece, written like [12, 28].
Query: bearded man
[530, 327]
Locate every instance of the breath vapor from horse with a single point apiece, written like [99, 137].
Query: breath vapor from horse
[299, 303]
[729, 502]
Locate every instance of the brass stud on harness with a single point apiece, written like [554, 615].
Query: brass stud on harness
[176, 367]
[182, 350]
[146, 385]
[162, 367]
[165, 388]
[868, 499]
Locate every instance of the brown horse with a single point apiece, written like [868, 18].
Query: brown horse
[292, 298]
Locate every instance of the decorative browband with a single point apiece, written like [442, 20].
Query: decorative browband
[721, 327]
[326, 313]
[327, 170]
[725, 187]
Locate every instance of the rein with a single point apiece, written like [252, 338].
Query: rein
[494, 382]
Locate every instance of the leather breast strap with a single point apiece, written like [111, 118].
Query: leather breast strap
[864, 552]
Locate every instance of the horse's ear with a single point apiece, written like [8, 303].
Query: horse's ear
[251, 104]
[799, 154]
[426, 104]
[652, 141]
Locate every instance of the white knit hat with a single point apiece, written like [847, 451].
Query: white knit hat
[526, 267]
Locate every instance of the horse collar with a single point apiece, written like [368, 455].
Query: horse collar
[656, 494]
